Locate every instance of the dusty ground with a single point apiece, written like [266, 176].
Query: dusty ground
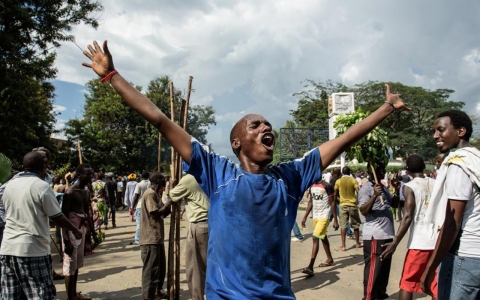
[114, 270]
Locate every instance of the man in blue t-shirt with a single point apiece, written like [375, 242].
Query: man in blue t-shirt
[254, 198]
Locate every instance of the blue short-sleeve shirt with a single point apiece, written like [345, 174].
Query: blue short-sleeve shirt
[250, 220]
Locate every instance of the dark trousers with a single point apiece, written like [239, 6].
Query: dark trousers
[376, 272]
[153, 271]
[113, 208]
[400, 209]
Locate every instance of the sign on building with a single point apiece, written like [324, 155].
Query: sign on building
[338, 104]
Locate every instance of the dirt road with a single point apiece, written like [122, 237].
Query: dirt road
[114, 270]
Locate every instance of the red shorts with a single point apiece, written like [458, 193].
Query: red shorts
[413, 268]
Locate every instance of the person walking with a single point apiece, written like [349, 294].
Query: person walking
[130, 194]
[111, 187]
[347, 188]
[322, 203]
[140, 189]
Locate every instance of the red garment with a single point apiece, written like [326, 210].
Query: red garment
[413, 268]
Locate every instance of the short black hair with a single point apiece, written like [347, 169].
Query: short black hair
[47, 152]
[33, 161]
[346, 170]
[459, 119]
[235, 133]
[415, 163]
[145, 175]
[157, 177]
[81, 168]
[336, 172]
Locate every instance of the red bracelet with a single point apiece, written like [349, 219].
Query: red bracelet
[109, 75]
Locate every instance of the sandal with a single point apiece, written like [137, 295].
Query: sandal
[326, 264]
[359, 246]
[79, 296]
[308, 272]
[342, 249]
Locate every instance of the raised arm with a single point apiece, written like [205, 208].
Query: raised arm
[330, 150]
[102, 64]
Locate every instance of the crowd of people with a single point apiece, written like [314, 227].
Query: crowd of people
[227, 204]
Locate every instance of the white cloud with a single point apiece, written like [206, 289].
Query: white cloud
[59, 108]
[251, 56]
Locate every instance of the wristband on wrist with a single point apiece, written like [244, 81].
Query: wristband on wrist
[394, 110]
[109, 76]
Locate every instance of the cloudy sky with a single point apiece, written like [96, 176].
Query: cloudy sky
[251, 56]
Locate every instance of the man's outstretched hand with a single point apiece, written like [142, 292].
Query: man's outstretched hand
[395, 100]
[102, 62]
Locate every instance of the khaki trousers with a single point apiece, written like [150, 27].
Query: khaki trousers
[196, 258]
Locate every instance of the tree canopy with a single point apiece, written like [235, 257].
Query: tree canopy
[409, 132]
[115, 137]
[29, 33]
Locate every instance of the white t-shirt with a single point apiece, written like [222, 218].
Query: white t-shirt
[327, 176]
[458, 186]
[420, 239]
[29, 203]
[320, 204]
[140, 189]
[119, 186]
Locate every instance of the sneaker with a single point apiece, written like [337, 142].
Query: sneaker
[295, 239]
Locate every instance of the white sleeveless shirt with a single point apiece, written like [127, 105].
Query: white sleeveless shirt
[419, 238]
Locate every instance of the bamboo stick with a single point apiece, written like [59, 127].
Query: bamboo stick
[79, 152]
[376, 181]
[159, 157]
[171, 265]
[187, 104]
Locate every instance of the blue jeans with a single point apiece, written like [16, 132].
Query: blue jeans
[349, 230]
[137, 220]
[296, 232]
[459, 278]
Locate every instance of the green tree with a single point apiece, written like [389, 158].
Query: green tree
[29, 33]
[111, 134]
[409, 132]
[373, 148]
[115, 137]
[312, 110]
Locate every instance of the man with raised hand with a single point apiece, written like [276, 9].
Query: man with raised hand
[253, 205]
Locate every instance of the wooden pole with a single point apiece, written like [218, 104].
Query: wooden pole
[187, 103]
[79, 152]
[159, 157]
[171, 263]
[376, 181]
[178, 173]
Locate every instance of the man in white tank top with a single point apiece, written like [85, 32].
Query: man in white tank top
[420, 248]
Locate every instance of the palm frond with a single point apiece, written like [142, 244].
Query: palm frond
[5, 168]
